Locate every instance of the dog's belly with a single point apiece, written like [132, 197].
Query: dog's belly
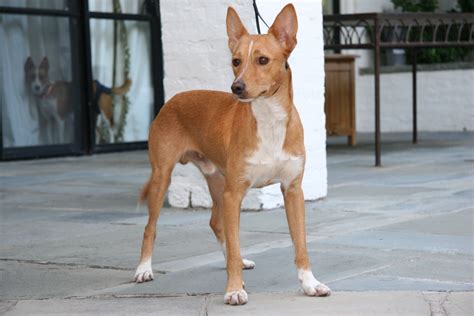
[206, 166]
[281, 168]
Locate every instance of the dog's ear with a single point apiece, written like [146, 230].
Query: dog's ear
[235, 28]
[285, 27]
[44, 63]
[29, 64]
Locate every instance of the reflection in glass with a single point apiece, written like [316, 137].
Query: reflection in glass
[122, 89]
[36, 81]
[37, 4]
[111, 6]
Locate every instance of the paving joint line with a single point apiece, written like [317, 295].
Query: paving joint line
[134, 296]
[74, 265]
[205, 305]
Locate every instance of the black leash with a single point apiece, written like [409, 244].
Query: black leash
[258, 16]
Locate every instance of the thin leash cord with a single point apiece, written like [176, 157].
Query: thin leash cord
[258, 17]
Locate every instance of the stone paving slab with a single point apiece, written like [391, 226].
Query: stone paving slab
[108, 306]
[70, 237]
[340, 303]
[25, 280]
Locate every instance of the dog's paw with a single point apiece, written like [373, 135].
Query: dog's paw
[311, 286]
[236, 297]
[248, 264]
[144, 272]
[317, 290]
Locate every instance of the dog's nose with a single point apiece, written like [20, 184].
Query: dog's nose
[238, 87]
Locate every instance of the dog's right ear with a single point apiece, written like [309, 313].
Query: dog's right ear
[29, 64]
[45, 63]
[235, 28]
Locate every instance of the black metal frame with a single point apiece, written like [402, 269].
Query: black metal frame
[363, 31]
[84, 131]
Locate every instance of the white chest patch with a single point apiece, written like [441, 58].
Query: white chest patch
[269, 163]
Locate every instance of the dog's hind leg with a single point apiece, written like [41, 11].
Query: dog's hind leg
[163, 158]
[216, 183]
[156, 189]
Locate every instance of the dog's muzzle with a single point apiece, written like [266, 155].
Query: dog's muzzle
[238, 88]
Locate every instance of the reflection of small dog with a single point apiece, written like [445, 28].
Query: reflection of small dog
[103, 101]
[53, 101]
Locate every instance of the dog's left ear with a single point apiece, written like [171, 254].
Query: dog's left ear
[285, 27]
[235, 28]
[29, 64]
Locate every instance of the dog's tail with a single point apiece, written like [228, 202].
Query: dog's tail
[143, 194]
[123, 88]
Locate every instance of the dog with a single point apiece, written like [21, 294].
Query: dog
[103, 104]
[248, 139]
[53, 102]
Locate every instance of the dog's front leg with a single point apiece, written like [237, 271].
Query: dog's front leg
[295, 213]
[61, 130]
[235, 293]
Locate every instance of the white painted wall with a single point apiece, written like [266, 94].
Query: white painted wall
[363, 6]
[196, 56]
[445, 101]
[445, 98]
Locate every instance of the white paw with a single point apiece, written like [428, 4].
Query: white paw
[317, 290]
[144, 272]
[311, 286]
[248, 264]
[236, 297]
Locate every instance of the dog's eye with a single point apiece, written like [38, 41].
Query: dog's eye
[236, 62]
[263, 60]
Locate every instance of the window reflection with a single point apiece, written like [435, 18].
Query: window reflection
[122, 90]
[36, 81]
[38, 4]
[125, 6]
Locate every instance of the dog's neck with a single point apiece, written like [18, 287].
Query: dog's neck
[279, 104]
[47, 91]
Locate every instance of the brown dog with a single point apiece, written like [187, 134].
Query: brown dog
[250, 139]
[103, 98]
[54, 102]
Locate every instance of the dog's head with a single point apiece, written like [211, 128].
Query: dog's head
[37, 77]
[259, 62]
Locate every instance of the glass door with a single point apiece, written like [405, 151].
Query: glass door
[40, 82]
[78, 76]
[124, 95]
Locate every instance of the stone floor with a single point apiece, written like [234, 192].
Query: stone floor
[70, 237]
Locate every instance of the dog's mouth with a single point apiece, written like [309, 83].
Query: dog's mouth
[246, 100]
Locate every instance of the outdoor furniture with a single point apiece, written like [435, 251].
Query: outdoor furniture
[408, 30]
[339, 97]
